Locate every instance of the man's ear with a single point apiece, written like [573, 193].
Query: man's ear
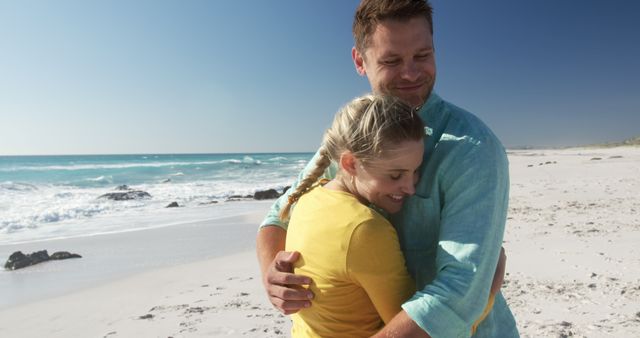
[348, 163]
[358, 61]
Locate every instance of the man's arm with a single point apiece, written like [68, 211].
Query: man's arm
[474, 183]
[282, 286]
[403, 326]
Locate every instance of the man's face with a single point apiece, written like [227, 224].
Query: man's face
[399, 60]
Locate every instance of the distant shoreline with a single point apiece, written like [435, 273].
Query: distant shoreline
[162, 154]
[634, 141]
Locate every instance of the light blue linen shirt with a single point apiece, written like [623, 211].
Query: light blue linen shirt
[451, 230]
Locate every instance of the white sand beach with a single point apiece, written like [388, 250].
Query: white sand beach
[573, 266]
[572, 242]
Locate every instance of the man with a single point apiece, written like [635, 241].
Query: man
[451, 230]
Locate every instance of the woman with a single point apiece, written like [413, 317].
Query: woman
[348, 248]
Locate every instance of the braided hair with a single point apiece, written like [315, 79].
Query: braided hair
[366, 127]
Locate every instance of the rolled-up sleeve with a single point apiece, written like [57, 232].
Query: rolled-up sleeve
[273, 216]
[474, 189]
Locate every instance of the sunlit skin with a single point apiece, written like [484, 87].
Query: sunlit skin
[385, 182]
[399, 60]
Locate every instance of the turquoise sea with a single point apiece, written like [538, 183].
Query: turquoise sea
[58, 196]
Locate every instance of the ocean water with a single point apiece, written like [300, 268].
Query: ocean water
[44, 197]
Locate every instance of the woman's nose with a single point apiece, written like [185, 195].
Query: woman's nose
[409, 186]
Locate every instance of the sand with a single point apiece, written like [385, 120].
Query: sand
[217, 297]
[573, 266]
[572, 240]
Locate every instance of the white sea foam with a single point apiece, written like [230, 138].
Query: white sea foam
[101, 179]
[11, 186]
[131, 220]
[250, 160]
[58, 197]
[47, 210]
[245, 160]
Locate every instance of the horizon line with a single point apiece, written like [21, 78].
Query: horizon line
[153, 154]
[633, 141]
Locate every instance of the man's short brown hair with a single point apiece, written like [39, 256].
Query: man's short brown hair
[370, 12]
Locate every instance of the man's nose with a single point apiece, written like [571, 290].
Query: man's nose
[410, 71]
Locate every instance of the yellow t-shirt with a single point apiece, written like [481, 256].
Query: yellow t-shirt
[353, 255]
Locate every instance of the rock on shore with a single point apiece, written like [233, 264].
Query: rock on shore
[18, 260]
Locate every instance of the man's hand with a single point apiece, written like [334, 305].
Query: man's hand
[498, 277]
[284, 289]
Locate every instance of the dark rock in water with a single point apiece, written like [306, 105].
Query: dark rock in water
[63, 255]
[18, 260]
[285, 189]
[240, 196]
[123, 187]
[266, 194]
[236, 198]
[166, 181]
[172, 205]
[124, 196]
[210, 202]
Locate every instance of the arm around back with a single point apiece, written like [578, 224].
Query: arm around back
[282, 286]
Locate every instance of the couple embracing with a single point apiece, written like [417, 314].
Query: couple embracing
[394, 228]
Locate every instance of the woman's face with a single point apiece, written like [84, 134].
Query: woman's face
[387, 181]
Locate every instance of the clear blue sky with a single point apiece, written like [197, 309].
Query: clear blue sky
[83, 77]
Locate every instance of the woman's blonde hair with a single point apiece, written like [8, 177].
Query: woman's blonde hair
[367, 127]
